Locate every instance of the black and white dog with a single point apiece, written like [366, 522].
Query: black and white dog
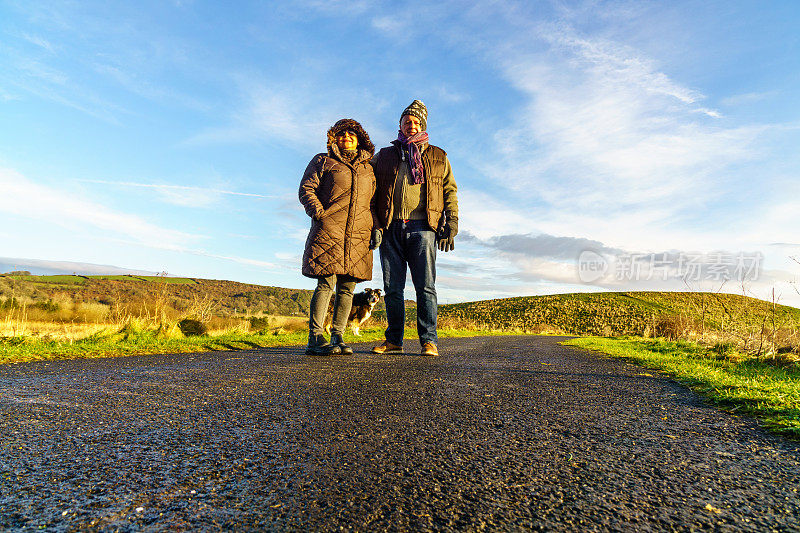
[363, 304]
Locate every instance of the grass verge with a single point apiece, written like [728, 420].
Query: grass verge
[765, 391]
[25, 349]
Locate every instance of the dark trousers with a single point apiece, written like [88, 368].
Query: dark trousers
[409, 245]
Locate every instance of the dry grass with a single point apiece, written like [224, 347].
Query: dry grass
[53, 330]
[25, 323]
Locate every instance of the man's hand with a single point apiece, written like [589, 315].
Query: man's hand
[445, 236]
[376, 239]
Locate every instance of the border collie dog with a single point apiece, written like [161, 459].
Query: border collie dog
[363, 304]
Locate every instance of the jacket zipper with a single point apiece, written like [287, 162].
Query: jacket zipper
[348, 227]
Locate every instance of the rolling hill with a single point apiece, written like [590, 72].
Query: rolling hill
[670, 314]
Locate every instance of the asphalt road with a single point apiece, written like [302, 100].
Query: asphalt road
[503, 433]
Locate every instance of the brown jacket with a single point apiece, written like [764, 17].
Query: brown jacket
[440, 187]
[339, 198]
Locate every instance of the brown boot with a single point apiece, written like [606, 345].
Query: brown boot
[429, 349]
[387, 347]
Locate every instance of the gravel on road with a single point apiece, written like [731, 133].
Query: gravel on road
[497, 433]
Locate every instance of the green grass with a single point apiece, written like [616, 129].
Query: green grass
[121, 277]
[768, 392]
[20, 350]
[64, 279]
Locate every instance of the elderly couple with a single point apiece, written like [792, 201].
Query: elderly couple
[403, 200]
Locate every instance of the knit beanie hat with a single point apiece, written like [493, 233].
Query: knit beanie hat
[417, 109]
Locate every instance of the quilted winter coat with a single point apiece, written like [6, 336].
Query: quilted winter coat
[339, 198]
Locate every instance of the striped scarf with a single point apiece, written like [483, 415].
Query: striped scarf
[410, 148]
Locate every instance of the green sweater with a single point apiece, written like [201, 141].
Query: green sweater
[409, 198]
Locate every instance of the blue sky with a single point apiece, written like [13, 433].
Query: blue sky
[171, 136]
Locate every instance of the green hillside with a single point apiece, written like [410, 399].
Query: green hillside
[141, 294]
[628, 313]
[728, 318]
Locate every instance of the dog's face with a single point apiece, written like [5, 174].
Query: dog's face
[373, 296]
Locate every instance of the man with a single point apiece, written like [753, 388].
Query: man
[417, 211]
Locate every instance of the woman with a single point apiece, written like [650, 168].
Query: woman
[337, 192]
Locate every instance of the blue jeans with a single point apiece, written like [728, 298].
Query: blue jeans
[409, 244]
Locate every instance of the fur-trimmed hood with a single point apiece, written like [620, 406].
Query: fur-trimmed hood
[338, 195]
[365, 147]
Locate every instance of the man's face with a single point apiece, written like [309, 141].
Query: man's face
[410, 125]
[347, 140]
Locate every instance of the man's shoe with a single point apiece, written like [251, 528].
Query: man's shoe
[387, 347]
[429, 349]
[336, 340]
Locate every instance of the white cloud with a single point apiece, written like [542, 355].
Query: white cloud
[184, 195]
[234, 258]
[136, 83]
[294, 114]
[485, 215]
[68, 267]
[746, 98]
[39, 41]
[544, 264]
[604, 140]
[25, 198]
[393, 27]
[43, 72]
[447, 94]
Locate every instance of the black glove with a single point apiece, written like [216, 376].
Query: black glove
[445, 236]
[376, 239]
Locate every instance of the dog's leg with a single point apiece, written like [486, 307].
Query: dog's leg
[355, 331]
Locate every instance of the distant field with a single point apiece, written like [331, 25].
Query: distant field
[68, 279]
[157, 279]
[64, 279]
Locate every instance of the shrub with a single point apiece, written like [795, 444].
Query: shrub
[672, 327]
[132, 326]
[49, 306]
[192, 328]
[91, 312]
[10, 303]
[259, 323]
[168, 331]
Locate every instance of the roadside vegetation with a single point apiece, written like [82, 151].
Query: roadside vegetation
[136, 338]
[61, 317]
[731, 323]
[125, 314]
[766, 387]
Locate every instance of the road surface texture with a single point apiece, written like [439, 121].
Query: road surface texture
[501, 433]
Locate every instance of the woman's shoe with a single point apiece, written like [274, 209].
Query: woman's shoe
[317, 345]
[336, 340]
